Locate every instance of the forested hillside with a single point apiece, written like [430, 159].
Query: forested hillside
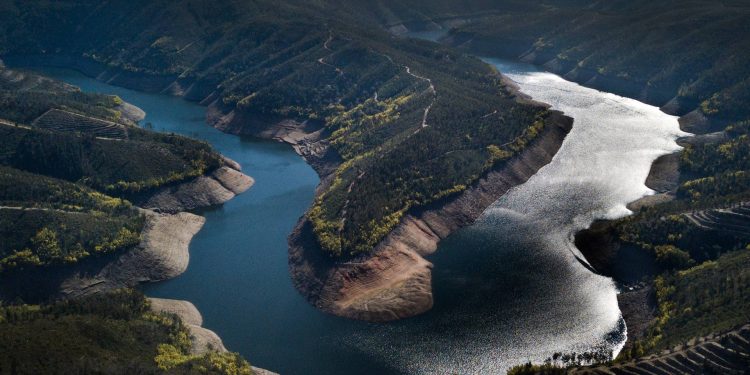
[65, 191]
[64, 188]
[412, 122]
[679, 54]
[113, 333]
[689, 57]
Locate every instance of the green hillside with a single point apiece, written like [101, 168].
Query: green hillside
[64, 193]
[114, 333]
[688, 54]
[26, 96]
[411, 121]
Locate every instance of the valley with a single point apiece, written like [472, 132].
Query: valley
[576, 196]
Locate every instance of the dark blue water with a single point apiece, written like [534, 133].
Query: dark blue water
[238, 275]
[507, 290]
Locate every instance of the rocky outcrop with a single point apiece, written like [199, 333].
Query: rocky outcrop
[663, 178]
[214, 189]
[161, 255]
[203, 340]
[665, 173]
[394, 282]
[131, 113]
[308, 138]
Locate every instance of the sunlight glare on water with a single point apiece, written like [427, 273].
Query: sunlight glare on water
[510, 289]
[507, 290]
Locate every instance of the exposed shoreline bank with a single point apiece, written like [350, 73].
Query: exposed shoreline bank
[395, 282]
[203, 340]
[162, 254]
[598, 245]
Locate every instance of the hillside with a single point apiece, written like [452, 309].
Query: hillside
[406, 123]
[686, 57]
[64, 190]
[681, 55]
[114, 333]
[69, 175]
[70, 164]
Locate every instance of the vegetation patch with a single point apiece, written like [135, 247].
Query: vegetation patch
[113, 333]
[36, 237]
[122, 168]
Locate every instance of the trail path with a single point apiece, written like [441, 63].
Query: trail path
[327, 47]
[431, 89]
[18, 208]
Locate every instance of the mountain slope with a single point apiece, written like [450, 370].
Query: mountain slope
[394, 126]
[410, 122]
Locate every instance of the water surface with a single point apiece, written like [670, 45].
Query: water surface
[507, 290]
[512, 288]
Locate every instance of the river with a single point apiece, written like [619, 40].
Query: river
[507, 290]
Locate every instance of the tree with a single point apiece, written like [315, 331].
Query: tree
[46, 245]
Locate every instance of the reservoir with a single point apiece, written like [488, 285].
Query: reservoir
[508, 289]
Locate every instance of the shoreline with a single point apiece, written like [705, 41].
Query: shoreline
[203, 340]
[598, 244]
[622, 262]
[163, 252]
[394, 281]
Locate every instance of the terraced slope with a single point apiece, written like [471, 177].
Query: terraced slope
[725, 353]
[734, 220]
[64, 121]
[26, 96]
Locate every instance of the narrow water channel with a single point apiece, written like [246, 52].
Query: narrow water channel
[507, 290]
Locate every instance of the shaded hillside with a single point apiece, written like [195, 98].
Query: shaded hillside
[687, 54]
[64, 191]
[68, 160]
[412, 122]
[115, 333]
